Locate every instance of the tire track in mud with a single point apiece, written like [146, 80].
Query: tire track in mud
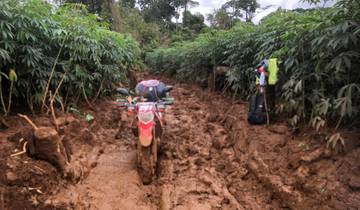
[199, 168]
[113, 182]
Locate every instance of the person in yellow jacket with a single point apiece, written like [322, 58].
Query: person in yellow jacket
[267, 77]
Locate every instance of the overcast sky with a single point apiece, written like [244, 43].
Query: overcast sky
[208, 6]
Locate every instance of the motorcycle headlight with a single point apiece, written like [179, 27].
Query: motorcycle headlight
[146, 117]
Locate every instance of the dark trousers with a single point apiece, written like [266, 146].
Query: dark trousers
[270, 97]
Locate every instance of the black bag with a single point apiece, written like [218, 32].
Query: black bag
[152, 93]
[257, 112]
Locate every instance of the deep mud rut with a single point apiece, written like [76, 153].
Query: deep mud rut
[186, 179]
[210, 159]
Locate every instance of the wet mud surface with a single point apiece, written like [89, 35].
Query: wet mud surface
[210, 159]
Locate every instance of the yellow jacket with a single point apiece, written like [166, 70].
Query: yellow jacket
[273, 72]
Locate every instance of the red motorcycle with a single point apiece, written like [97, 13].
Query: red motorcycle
[148, 124]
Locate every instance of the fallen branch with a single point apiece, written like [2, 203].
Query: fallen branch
[29, 121]
[22, 152]
[40, 169]
[36, 189]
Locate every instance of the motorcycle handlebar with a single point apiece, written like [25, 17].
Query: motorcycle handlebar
[168, 103]
[124, 103]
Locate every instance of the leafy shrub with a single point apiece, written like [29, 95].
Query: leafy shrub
[319, 50]
[35, 37]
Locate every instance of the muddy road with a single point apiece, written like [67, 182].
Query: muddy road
[210, 158]
[186, 177]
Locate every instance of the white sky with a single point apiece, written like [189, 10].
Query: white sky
[207, 6]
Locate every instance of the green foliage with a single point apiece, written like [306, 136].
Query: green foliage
[34, 32]
[159, 11]
[194, 22]
[147, 34]
[94, 6]
[242, 8]
[319, 52]
[220, 19]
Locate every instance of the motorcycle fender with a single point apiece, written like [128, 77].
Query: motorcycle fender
[146, 133]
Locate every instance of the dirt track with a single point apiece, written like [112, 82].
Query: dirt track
[210, 159]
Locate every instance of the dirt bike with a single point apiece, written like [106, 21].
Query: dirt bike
[148, 117]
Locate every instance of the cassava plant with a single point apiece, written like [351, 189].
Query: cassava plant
[42, 42]
[318, 50]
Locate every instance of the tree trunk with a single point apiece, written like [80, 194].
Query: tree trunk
[48, 145]
[115, 15]
[185, 12]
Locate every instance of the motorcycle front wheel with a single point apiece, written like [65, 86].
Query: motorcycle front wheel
[147, 158]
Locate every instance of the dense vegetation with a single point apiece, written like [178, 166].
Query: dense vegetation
[71, 51]
[41, 44]
[319, 51]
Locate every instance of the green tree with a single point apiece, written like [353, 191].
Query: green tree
[108, 8]
[242, 8]
[128, 3]
[147, 34]
[194, 22]
[94, 6]
[115, 15]
[159, 11]
[220, 19]
[186, 4]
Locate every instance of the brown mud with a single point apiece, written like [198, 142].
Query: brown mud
[210, 158]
